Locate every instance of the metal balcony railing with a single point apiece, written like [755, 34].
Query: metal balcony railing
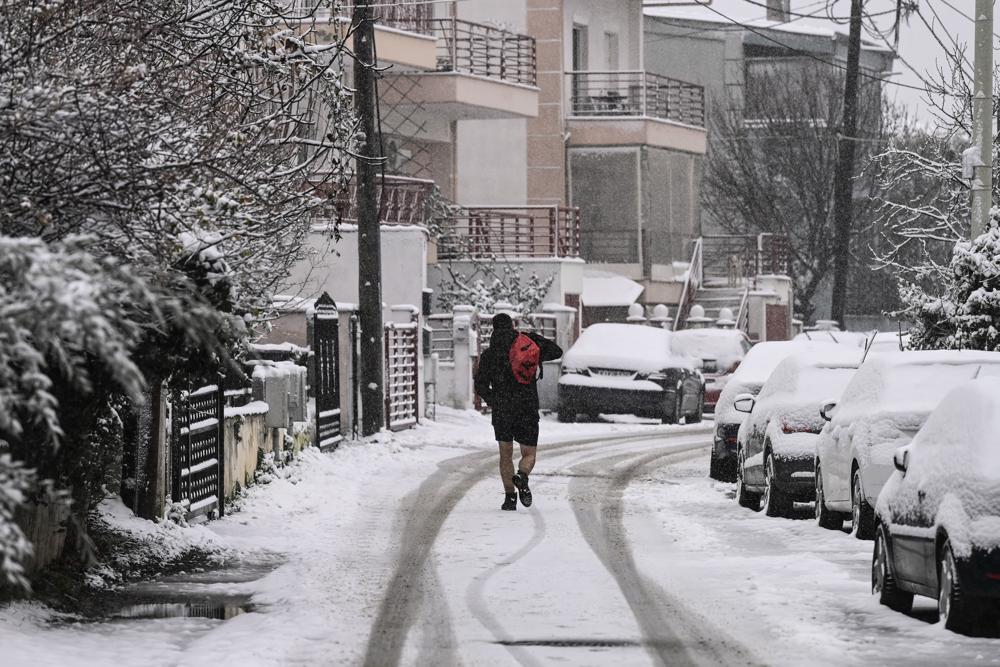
[511, 232]
[407, 15]
[636, 93]
[474, 48]
[402, 201]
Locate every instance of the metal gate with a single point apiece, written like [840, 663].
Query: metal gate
[197, 450]
[401, 390]
[326, 345]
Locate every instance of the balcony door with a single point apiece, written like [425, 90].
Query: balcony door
[578, 99]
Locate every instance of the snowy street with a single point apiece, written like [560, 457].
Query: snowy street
[397, 553]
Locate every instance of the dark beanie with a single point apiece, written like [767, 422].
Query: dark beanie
[502, 321]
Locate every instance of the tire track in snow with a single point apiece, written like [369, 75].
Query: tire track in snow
[673, 636]
[475, 597]
[428, 508]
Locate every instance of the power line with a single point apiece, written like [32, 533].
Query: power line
[811, 55]
[825, 3]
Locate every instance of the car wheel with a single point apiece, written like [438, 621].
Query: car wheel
[744, 496]
[825, 518]
[957, 611]
[776, 502]
[674, 416]
[696, 416]
[714, 467]
[883, 581]
[862, 514]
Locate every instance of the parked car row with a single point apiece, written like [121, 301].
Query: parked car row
[902, 444]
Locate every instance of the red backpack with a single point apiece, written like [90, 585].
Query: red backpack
[525, 357]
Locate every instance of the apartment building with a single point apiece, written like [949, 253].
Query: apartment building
[537, 120]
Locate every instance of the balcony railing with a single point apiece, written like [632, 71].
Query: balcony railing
[408, 15]
[524, 231]
[636, 93]
[402, 201]
[483, 50]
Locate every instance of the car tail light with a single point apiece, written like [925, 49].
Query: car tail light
[731, 439]
[797, 428]
[993, 575]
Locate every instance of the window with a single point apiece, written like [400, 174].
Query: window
[580, 51]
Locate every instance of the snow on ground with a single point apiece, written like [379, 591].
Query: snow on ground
[800, 592]
[630, 555]
[329, 519]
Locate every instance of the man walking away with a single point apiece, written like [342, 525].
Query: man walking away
[507, 380]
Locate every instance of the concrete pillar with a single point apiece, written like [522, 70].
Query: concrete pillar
[466, 352]
[546, 146]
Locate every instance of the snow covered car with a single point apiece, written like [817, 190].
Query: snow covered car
[938, 517]
[882, 408]
[755, 368]
[777, 442]
[720, 351]
[629, 369]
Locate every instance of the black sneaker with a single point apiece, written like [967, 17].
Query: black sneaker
[521, 482]
[509, 503]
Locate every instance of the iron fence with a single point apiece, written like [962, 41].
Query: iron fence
[636, 93]
[197, 450]
[401, 375]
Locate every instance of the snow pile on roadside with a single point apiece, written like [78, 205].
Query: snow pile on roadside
[142, 547]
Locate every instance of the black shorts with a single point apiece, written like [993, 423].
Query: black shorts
[522, 429]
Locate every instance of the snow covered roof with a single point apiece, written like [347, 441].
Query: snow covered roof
[609, 290]
[818, 27]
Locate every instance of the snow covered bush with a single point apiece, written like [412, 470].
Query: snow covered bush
[493, 282]
[15, 483]
[159, 164]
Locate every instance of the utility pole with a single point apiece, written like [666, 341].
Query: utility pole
[843, 179]
[982, 118]
[369, 234]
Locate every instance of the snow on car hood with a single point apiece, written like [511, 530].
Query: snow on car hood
[723, 345]
[631, 347]
[756, 368]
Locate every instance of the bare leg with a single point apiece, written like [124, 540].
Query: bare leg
[527, 461]
[507, 466]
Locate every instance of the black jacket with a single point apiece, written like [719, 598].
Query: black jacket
[495, 382]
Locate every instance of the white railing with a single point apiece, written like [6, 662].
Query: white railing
[691, 284]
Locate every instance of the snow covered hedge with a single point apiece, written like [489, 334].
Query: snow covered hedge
[159, 164]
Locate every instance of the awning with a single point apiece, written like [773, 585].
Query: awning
[610, 290]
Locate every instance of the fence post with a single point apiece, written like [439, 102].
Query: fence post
[389, 329]
[220, 454]
[465, 348]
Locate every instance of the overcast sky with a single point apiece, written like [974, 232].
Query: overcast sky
[949, 19]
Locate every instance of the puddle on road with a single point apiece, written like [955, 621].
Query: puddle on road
[193, 594]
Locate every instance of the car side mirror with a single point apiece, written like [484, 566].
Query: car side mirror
[744, 403]
[826, 411]
[901, 459]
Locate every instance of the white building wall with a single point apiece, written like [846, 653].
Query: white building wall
[622, 17]
[332, 266]
[491, 155]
